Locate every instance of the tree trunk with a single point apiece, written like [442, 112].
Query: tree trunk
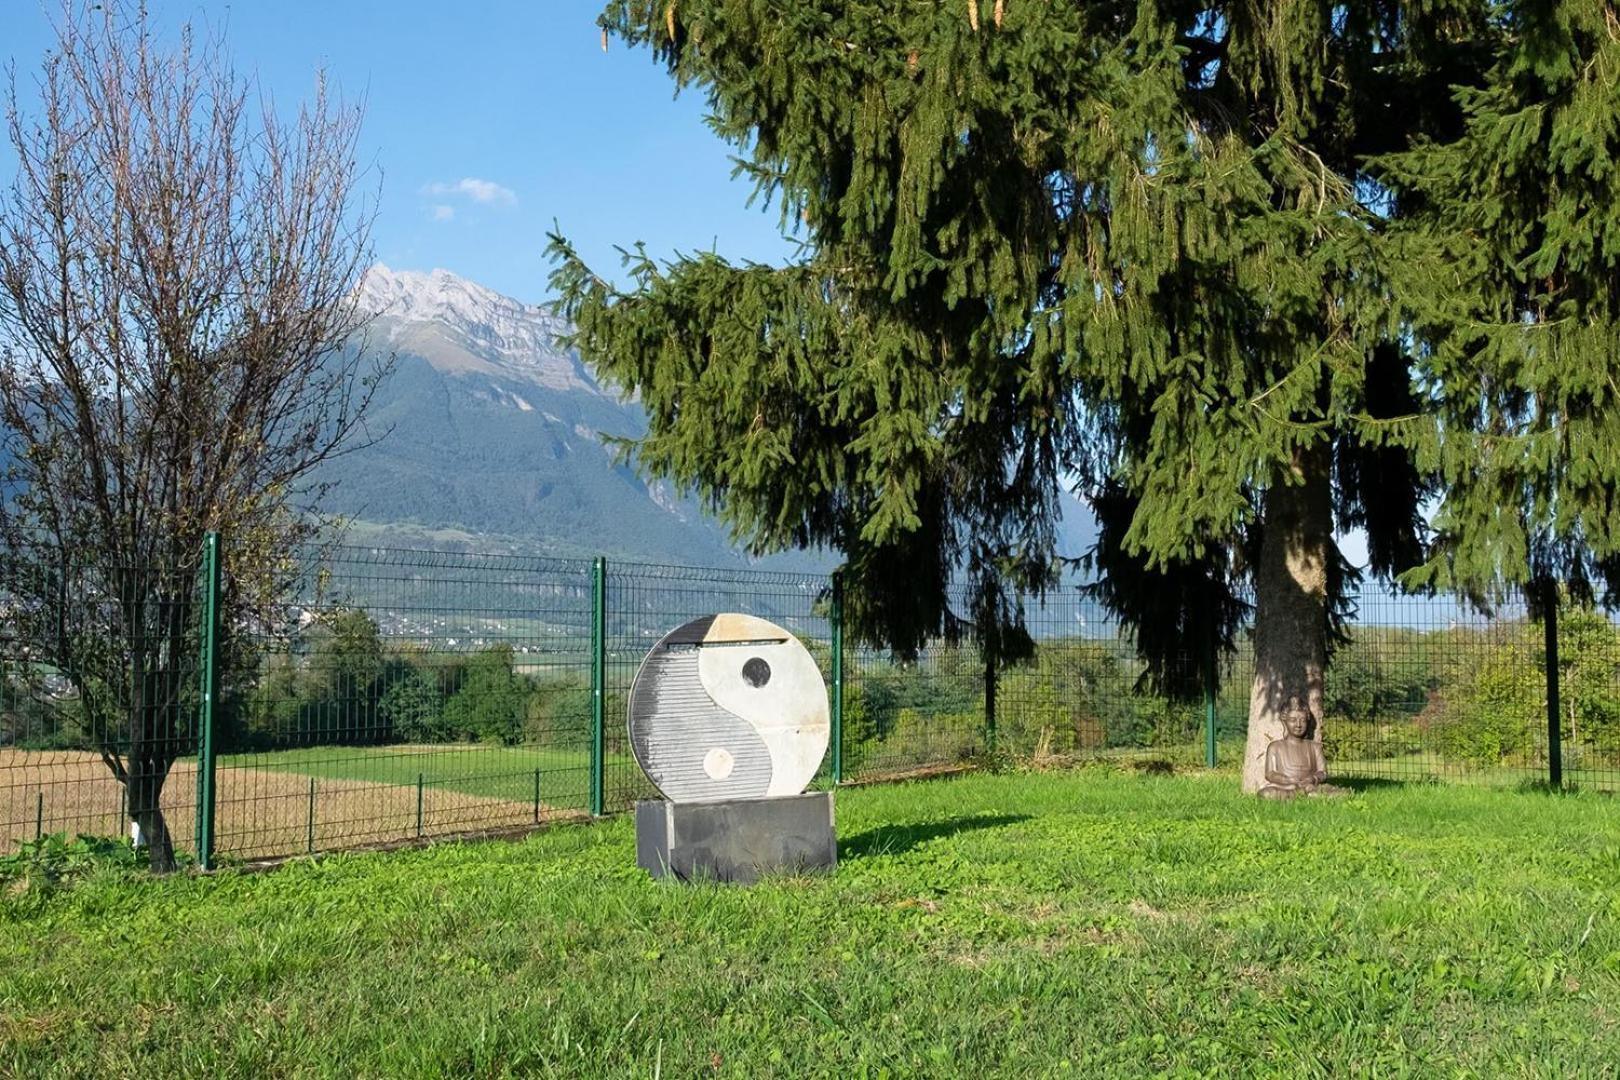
[155, 735]
[1291, 598]
[147, 774]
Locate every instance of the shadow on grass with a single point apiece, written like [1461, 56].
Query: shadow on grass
[1379, 783]
[1544, 787]
[1523, 787]
[895, 839]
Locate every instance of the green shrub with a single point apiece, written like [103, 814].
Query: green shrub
[413, 709]
[1377, 739]
[492, 701]
[559, 713]
[1491, 716]
[43, 866]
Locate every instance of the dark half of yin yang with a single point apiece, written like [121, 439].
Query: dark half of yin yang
[675, 727]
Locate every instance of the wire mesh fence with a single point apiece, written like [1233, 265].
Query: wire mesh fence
[379, 696]
[924, 714]
[396, 695]
[1428, 689]
[1084, 693]
[905, 716]
[98, 696]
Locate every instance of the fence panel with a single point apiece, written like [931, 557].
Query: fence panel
[392, 695]
[388, 695]
[903, 716]
[1428, 689]
[97, 673]
[1083, 694]
[1589, 698]
[1435, 689]
[907, 716]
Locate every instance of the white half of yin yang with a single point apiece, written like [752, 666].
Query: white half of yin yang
[729, 706]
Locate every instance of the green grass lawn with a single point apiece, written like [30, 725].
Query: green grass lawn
[1092, 922]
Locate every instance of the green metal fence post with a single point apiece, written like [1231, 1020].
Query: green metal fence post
[39, 815]
[1555, 747]
[1209, 702]
[990, 704]
[419, 806]
[309, 839]
[537, 796]
[598, 678]
[209, 664]
[836, 618]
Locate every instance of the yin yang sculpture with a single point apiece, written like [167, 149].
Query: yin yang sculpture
[728, 707]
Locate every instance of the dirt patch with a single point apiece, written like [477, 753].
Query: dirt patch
[259, 813]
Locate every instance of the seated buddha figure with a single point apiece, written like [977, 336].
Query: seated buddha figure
[1294, 764]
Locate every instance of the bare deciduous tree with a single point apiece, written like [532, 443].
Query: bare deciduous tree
[177, 352]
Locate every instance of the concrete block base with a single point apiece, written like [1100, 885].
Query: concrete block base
[738, 839]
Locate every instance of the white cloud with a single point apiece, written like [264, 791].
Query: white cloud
[441, 212]
[479, 191]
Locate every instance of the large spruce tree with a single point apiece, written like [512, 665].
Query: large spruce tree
[1144, 249]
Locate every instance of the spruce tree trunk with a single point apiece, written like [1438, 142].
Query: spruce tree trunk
[1291, 597]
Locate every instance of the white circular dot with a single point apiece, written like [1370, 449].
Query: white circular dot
[718, 763]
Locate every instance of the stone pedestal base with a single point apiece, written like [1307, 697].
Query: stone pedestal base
[738, 839]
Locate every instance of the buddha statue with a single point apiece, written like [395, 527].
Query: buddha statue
[1294, 764]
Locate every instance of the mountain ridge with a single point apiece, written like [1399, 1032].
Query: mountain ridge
[500, 438]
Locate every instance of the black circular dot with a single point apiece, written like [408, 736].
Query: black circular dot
[756, 672]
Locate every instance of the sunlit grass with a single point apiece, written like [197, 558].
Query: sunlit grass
[1090, 922]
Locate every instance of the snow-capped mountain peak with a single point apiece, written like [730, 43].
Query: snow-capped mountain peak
[460, 325]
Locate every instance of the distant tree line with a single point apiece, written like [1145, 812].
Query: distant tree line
[345, 685]
[1468, 695]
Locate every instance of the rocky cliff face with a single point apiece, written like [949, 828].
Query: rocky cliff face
[460, 326]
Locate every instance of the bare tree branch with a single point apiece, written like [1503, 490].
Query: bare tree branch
[179, 335]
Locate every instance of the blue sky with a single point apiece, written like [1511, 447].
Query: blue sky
[515, 97]
[489, 119]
